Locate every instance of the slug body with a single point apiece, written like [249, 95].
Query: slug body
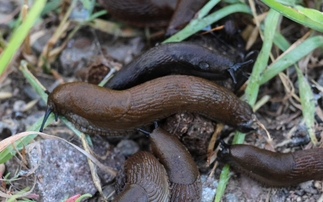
[275, 169]
[182, 171]
[146, 180]
[153, 13]
[175, 58]
[97, 110]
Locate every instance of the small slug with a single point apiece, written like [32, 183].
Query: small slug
[272, 168]
[182, 171]
[184, 12]
[96, 110]
[146, 180]
[175, 58]
[154, 13]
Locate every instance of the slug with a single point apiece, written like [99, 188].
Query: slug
[154, 13]
[272, 168]
[182, 171]
[175, 58]
[146, 180]
[96, 110]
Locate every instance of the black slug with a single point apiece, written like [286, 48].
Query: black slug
[175, 58]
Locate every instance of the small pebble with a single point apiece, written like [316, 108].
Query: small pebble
[318, 185]
[19, 105]
[128, 147]
[231, 198]
[209, 188]
[308, 187]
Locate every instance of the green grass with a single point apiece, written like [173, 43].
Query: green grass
[200, 23]
[20, 34]
[308, 17]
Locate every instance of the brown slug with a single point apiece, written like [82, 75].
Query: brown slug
[154, 13]
[96, 110]
[272, 168]
[182, 171]
[146, 180]
[175, 58]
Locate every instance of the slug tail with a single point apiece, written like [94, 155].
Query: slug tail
[48, 112]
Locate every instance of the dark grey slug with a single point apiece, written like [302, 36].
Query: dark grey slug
[175, 58]
[97, 110]
[273, 168]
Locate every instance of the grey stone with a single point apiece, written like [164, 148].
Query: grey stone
[63, 171]
[128, 147]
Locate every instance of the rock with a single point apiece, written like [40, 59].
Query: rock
[128, 147]
[63, 171]
[209, 188]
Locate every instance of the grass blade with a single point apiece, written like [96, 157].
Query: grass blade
[198, 24]
[291, 57]
[301, 16]
[308, 104]
[20, 34]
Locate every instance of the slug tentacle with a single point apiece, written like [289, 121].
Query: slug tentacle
[273, 168]
[47, 113]
[235, 67]
[49, 110]
[143, 131]
[97, 110]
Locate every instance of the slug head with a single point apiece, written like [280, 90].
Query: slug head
[250, 126]
[235, 67]
[246, 121]
[224, 151]
[210, 62]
